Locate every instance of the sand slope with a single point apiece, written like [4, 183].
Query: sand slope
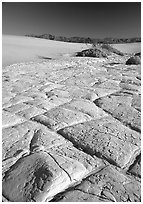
[21, 49]
[128, 47]
[16, 49]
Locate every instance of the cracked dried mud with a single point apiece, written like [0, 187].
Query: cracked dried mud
[71, 131]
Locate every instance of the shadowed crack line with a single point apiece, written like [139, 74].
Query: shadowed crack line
[60, 195]
[129, 125]
[60, 166]
[137, 160]
[88, 150]
[5, 198]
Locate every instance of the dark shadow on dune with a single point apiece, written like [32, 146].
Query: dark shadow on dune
[46, 58]
[114, 63]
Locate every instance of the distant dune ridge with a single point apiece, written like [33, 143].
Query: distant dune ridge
[17, 49]
[86, 39]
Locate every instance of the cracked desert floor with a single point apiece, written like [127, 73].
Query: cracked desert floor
[71, 130]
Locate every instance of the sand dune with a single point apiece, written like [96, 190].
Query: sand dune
[17, 49]
[128, 47]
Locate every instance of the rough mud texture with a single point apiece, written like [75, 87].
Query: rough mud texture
[71, 131]
[108, 185]
[105, 138]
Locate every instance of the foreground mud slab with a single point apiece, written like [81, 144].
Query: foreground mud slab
[71, 131]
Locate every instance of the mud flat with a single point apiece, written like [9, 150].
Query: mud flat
[71, 130]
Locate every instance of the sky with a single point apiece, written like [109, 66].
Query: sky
[83, 19]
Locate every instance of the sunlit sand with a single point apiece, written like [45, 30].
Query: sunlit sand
[16, 49]
[128, 47]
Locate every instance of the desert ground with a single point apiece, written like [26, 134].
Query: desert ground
[71, 127]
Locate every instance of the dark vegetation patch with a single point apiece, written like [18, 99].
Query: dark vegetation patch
[99, 51]
[138, 54]
[91, 53]
[134, 60]
[110, 49]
